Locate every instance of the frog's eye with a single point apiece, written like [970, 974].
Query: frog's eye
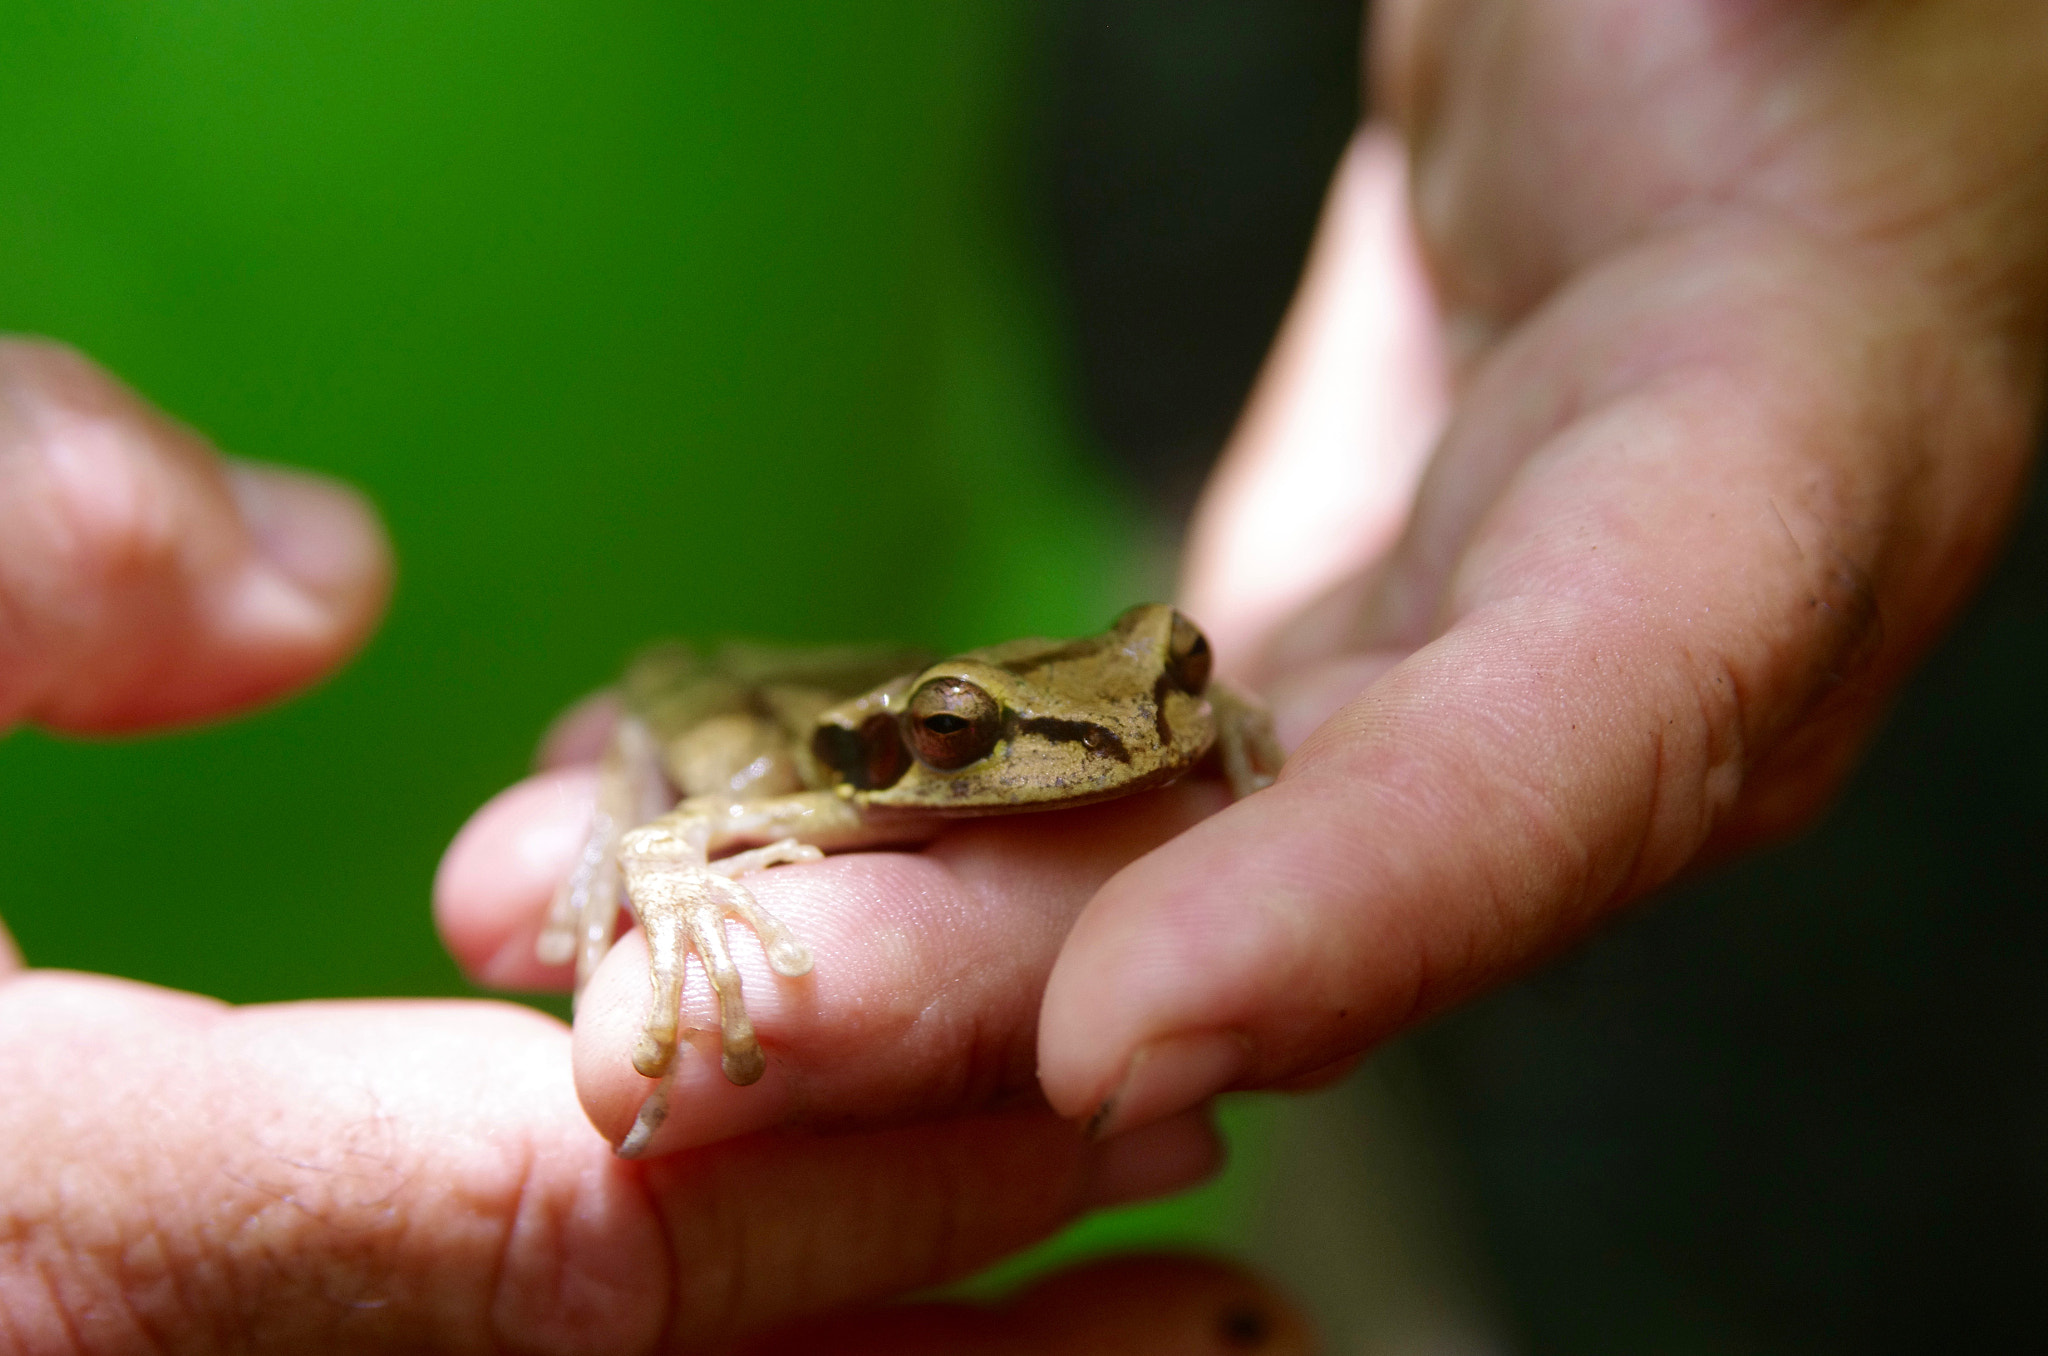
[950, 723]
[866, 759]
[1187, 657]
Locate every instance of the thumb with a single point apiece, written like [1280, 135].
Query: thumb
[143, 579]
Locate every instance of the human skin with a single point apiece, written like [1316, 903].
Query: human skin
[180, 1175]
[1662, 380]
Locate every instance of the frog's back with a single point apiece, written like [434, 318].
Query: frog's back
[736, 720]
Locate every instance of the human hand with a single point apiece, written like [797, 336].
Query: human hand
[179, 1175]
[1738, 355]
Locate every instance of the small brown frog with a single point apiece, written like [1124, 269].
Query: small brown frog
[761, 746]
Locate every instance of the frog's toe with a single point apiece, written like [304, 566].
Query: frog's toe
[742, 1061]
[787, 956]
[555, 946]
[652, 1054]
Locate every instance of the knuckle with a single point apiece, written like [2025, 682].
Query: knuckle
[560, 1290]
[111, 517]
[102, 510]
[109, 486]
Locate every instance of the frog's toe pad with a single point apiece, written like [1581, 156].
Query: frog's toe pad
[556, 946]
[788, 957]
[652, 1056]
[743, 1064]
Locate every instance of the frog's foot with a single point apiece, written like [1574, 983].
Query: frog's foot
[574, 912]
[683, 907]
[1244, 737]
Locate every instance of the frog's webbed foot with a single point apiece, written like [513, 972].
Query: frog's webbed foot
[1245, 740]
[682, 903]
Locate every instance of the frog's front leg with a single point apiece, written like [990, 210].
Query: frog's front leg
[630, 790]
[682, 899]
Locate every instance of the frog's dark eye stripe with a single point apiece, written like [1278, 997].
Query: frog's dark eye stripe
[1090, 736]
[1160, 687]
[950, 723]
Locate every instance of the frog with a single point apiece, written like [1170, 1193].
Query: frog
[723, 765]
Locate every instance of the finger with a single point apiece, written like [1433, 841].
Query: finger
[579, 734]
[1126, 1306]
[495, 882]
[143, 580]
[1689, 558]
[10, 954]
[1319, 473]
[767, 1227]
[418, 1176]
[924, 996]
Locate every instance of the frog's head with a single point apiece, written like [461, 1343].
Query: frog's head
[1031, 723]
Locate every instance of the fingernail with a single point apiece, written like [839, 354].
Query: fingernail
[1171, 1075]
[1169, 1156]
[318, 533]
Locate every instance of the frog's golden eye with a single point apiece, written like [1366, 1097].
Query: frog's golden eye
[867, 759]
[950, 723]
[1187, 657]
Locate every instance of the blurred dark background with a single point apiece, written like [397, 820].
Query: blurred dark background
[1180, 163]
[893, 320]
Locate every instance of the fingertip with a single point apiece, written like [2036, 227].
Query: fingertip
[692, 1104]
[320, 536]
[149, 581]
[1153, 1305]
[317, 576]
[314, 581]
[1167, 988]
[1159, 1159]
[580, 733]
[1132, 1305]
[1166, 1076]
[494, 883]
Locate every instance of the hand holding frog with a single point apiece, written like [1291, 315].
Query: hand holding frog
[1738, 352]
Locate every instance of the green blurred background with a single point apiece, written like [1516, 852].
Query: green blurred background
[633, 318]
